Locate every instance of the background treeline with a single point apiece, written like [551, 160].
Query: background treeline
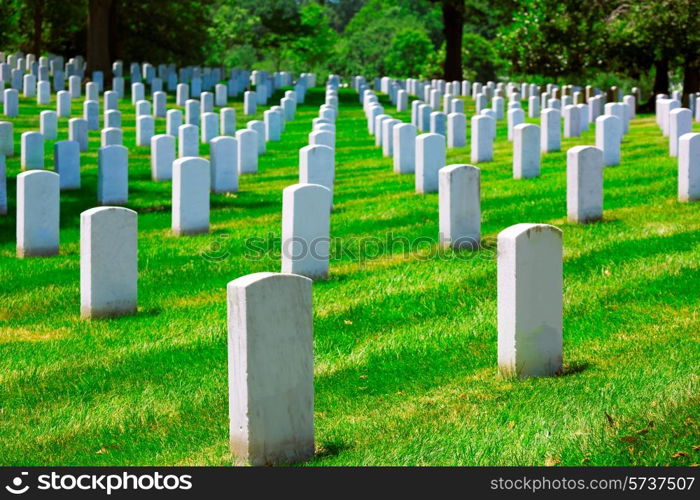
[648, 43]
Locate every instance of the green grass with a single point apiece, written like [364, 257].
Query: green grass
[405, 342]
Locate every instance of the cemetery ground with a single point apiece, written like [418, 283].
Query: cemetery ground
[405, 341]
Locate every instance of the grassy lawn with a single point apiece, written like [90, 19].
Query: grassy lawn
[405, 340]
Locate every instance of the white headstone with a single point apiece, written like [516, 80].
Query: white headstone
[404, 148]
[210, 126]
[430, 158]
[220, 91]
[145, 128]
[173, 121]
[63, 107]
[78, 131]
[43, 95]
[228, 121]
[138, 92]
[249, 102]
[32, 150]
[182, 94]
[388, 137]
[247, 151]
[259, 127]
[66, 156]
[190, 202]
[224, 164]
[111, 136]
[322, 138]
[7, 141]
[38, 213]
[608, 135]
[680, 123]
[689, 167]
[526, 151]
[188, 141]
[401, 101]
[11, 103]
[533, 106]
[460, 206]
[516, 116]
[438, 123]
[550, 124]
[192, 112]
[584, 184]
[306, 230]
[108, 262]
[160, 104]
[271, 374]
[273, 125]
[317, 166]
[572, 121]
[112, 175]
[48, 124]
[162, 157]
[530, 324]
[456, 130]
[482, 138]
[110, 100]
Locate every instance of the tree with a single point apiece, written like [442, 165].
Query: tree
[480, 59]
[554, 38]
[99, 57]
[661, 34]
[363, 47]
[315, 42]
[453, 22]
[408, 53]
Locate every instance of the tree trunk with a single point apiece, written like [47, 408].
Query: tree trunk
[661, 84]
[453, 21]
[691, 77]
[38, 21]
[98, 53]
[116, 33]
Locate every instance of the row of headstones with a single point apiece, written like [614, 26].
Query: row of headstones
[113, 292]
[271, 380]
[432, 92]
[306, 206]
[38, 198]
[207, 100]
[16, 67]
[66, 153]
[529, 256]
[425, 154]
[676, 123]
[38, 195]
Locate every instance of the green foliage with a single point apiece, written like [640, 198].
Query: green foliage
[368, 40]
[9, 22]
[340, 12]
[553, 37]
[315, 43]
[560, 40]
[162, 30]
[408, 53]
[642, 32]
[480, 59]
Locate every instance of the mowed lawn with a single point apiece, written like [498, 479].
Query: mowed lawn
[405, 336]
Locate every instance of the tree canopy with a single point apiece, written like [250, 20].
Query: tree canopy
[649, 42]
